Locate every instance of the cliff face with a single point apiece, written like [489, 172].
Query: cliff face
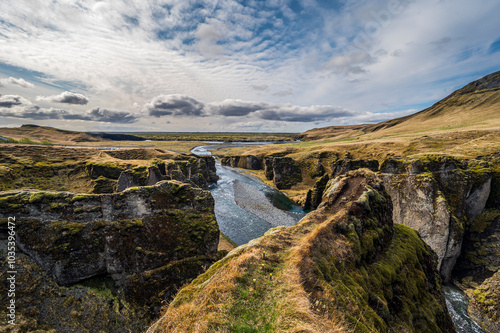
[146, 241]
[285, 172]
[198, 170]
[484, 303]
[438, 197]
[83, 170]
[344, 267]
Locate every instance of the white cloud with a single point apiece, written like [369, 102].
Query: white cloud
[355, 55]
[20, 82]
[66, 97]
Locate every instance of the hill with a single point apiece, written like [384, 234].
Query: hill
[344, 268]
[48, 134]
[473, 107]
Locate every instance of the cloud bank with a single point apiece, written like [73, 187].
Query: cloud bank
[66, 97]
[20, 82]
[19, 107]
[276, 61]
[185, 106]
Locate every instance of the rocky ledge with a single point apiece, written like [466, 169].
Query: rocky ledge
[344, 267]
[145, 241]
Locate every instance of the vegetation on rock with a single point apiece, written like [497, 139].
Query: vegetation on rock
[343, 267]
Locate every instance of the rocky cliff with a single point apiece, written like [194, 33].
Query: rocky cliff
[484, 306]
[345, 267]
[145, 241]
[435, 195]
[84, 170]
[438, 196]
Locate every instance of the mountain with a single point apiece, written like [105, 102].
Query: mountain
[475, 106]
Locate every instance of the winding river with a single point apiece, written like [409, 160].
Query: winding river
[241, 225]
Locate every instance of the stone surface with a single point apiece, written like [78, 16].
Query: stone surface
[480, 257]
[484, 306]
[436, 197]
[287, 172]
[315, 195]
[250, 162]
[344, 165]
[199, 170]
[74, 237]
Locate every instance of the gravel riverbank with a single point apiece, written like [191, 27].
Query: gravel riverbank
[254, 201]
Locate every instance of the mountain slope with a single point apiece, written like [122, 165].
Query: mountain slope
[475, 106]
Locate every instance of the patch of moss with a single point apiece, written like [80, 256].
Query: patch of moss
[108, 170]
[484, 220]
[104, 185]
[82, 197]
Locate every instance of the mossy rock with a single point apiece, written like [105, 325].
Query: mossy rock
[104, 185]
[108, 170]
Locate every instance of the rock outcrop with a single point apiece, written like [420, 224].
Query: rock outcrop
[480, 257]
[436, 197]
[198, 170]
[284, 171]
[344, 267]
[250, 162]
[147, 240]
[484, 306]
[344, 165]
[315, 195]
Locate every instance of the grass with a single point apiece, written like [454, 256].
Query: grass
[319, 283]
[79, 170]
[215, 136]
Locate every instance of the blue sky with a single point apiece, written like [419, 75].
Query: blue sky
[276, 65]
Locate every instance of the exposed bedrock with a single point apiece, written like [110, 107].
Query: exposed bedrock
[74, 237]
[344, 267]
[438, 197]
[198, 170]
[250, 162]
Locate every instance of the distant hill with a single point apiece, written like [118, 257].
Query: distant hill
[475, 106]
[45, 133]
[59, 136]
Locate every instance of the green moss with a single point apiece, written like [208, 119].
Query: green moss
[67, 228]
[82, 197]
[104, 185]
[484, 220]
[57, 205]
[425, 177]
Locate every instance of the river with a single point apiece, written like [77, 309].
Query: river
[457, 304]
[241, 226]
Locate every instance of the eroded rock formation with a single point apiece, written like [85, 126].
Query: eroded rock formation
[148, 241]
[344, 267]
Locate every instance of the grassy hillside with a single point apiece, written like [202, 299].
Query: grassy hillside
[343, 268]
[45, 134]
[475, 107]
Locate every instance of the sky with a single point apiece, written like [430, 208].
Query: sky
[242, 66]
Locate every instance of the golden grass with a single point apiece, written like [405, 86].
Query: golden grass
[282, 304]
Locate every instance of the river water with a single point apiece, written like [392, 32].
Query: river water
[242, 226]
[237, 223]
[457, 304]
